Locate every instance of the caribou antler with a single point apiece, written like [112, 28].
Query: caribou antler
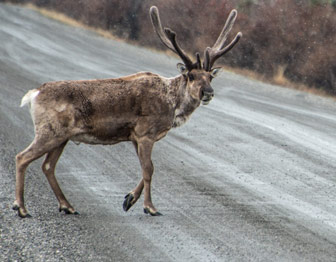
[168, 38]
[213, 53]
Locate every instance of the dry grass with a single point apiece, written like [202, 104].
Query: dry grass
[280, 80]
[70, 21]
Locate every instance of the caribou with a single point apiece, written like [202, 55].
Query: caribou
[140, 108]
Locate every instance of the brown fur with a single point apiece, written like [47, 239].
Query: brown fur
[111, 110]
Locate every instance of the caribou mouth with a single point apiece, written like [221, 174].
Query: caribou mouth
[206, 100]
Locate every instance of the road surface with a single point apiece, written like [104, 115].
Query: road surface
[251, 177]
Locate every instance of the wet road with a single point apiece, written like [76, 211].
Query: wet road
[251, 177]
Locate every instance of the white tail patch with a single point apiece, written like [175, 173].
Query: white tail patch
[27, 99]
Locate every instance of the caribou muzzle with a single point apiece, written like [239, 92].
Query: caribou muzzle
[206, 97]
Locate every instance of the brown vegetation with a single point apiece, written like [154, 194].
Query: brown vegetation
[289, 39]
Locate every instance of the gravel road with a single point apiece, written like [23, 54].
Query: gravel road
[251, 177]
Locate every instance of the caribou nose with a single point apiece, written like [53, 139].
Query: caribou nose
[208, 94]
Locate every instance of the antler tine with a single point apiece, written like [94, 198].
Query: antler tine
[198, 63]
[215, 54]
[168, 37]
[156, 22]
[206, 62]
[226, 30]
[218, 49]
[172, 37]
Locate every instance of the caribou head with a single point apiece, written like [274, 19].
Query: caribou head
[198, 75]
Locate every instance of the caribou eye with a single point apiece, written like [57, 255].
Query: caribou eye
[191, 77]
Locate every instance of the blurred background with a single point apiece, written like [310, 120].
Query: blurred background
[289, 42]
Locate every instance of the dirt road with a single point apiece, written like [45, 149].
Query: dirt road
[251, 177]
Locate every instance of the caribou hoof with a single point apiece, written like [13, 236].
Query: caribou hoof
[21, 211]
[148, 210]
[68, 210]
[128, 202]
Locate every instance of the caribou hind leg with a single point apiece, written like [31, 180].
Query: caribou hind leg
[35, 150]
[48, 168]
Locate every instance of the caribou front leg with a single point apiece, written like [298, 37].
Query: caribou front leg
[132, 197]
[144, 150]
[145, 147]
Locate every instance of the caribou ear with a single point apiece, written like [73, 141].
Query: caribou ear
[216, 71]
[182, 68]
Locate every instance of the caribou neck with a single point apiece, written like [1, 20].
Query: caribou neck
[185, 105]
